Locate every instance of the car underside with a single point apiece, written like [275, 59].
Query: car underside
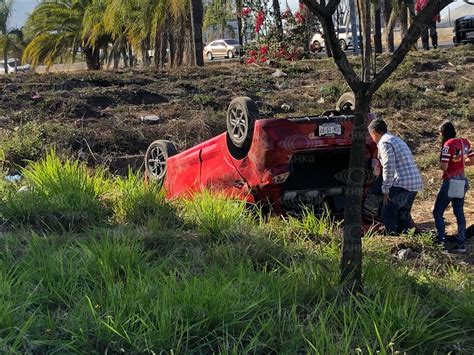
[284, 164]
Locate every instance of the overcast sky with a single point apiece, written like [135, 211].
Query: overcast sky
[22, 8]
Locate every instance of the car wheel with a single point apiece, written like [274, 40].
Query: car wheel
[230, 54]
[342, 44]
[346, 102]
[316, 46]
[209, 56]
[155, 159]
[241, 116]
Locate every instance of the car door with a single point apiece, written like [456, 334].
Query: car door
[220, 49]
[218, 173]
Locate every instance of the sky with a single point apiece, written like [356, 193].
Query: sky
[22, 8]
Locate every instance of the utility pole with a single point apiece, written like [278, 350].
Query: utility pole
[355, 36]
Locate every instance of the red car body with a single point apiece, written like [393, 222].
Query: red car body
[290, 161]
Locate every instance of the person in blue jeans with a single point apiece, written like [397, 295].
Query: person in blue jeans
[456, 154]
[401, 179]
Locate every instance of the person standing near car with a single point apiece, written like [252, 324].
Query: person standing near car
[431, 27]
[456, 154]
[401, 179]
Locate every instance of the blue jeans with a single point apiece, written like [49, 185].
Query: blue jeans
[442, 202]
[396, 214]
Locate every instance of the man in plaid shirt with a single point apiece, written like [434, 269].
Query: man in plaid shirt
[401, 178]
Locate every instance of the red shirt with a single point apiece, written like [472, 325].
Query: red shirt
[421, 4]
[452, 154]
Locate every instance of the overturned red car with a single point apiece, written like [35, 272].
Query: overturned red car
[282, 163]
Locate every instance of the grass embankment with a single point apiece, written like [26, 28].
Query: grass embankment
[94, 264]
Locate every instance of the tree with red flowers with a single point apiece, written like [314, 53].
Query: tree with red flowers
[291, 43]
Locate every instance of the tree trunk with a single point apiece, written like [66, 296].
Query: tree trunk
[130, 55]
[163, 48]
[327, 44]
[239, 21]
[364, 6]
[277, 17]
[389, 21]
[351, 261]
[196, 28]
[5, 59]
[181, 44]
[92, 58]
[403, 20]
[378, 30]
[355, 37]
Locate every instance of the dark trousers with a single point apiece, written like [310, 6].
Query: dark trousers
[442, 202]
[396, 214]
[431, 28]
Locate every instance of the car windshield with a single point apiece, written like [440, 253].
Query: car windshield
[232, 41]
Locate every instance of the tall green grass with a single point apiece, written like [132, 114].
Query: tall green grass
[216, 216]
[135, 201]
[119, 270]
[106, 292]
[62, 194]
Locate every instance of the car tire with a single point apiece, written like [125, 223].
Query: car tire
[317, 46]
[230, 54]
[241, 116]
[342, 44]
[156, 156]
[210, 56]
[346, 102]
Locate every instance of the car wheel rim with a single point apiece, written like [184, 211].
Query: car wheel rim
[209, 56]
[238, 124]
[157, 163]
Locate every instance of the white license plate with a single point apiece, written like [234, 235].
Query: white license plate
[470, 35]
[330, 129]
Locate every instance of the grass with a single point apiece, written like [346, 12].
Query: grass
[207, 275]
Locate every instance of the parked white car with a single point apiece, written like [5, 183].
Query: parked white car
[225, 48]
[14, 66]
[345, 40]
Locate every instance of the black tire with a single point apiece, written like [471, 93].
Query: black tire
[342, 44]
[210, 56]
[155, 159]
[230, 54]
[241, 116]
[346, 102]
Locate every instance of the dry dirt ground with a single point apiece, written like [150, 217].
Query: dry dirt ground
[96, 116]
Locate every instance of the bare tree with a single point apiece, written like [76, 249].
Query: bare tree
[364, 89]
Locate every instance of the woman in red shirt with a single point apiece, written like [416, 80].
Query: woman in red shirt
[456, 154]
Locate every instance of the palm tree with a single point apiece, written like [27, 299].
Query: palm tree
[5, 40]
[62, 28]
[56, 27]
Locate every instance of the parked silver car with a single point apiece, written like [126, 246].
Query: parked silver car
[225, 48]
[344, 38]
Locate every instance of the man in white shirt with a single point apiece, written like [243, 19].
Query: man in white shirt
[401, 178]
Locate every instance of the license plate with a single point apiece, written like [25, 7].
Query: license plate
[330, 129]
[470, 35]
